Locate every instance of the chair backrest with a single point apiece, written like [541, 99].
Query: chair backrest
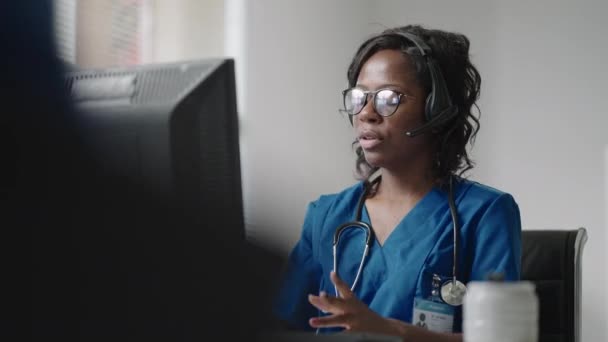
[551, 259]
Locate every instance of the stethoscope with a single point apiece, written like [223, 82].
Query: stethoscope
[452, 291]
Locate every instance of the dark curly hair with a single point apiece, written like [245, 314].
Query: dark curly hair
[451, 52]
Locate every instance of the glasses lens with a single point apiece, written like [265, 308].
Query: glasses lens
[354, 101]
[386, 102]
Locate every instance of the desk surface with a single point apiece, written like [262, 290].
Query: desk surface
[336, 337]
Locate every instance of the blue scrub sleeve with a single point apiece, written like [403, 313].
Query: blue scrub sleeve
[300, 278]
[498, 241]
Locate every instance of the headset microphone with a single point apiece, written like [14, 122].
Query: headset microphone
[436, 121]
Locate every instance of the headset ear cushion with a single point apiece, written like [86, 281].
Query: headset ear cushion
[438, 100]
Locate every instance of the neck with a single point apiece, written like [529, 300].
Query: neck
[408, 183]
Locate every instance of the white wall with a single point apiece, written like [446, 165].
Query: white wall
[295, 143]
[547, 141]
[605, 270]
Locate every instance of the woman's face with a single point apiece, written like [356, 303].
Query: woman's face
[383, 139]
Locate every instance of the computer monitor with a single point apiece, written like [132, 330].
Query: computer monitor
[171, 127]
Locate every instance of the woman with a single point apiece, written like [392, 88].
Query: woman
[410, 99]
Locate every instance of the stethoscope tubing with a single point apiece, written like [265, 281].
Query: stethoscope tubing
[357, 223]
[370, 236]
[456, 230]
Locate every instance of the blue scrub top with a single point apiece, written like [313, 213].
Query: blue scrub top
[402, 268]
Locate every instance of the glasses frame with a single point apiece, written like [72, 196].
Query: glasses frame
[374, 93]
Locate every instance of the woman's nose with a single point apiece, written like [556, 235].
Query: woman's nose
[368, 113]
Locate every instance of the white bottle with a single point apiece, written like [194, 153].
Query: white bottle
[500, 311]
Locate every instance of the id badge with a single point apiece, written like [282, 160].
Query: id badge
[433, 315]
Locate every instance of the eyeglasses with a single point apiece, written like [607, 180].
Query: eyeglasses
[385, 101]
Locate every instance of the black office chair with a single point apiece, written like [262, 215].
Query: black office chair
[551, 259]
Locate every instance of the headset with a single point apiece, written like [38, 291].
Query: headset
[439, 108]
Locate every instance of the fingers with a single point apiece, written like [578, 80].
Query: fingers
[326, 303]
[341, 320]
[323, 294]
[343, 288]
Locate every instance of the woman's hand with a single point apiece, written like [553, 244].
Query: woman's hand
[348, 312]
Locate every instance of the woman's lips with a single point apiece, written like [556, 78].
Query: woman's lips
[369, 140]
[368, 144]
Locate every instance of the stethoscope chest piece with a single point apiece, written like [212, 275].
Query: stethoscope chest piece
[452, 292]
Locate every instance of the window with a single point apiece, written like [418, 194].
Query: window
[101, 33]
